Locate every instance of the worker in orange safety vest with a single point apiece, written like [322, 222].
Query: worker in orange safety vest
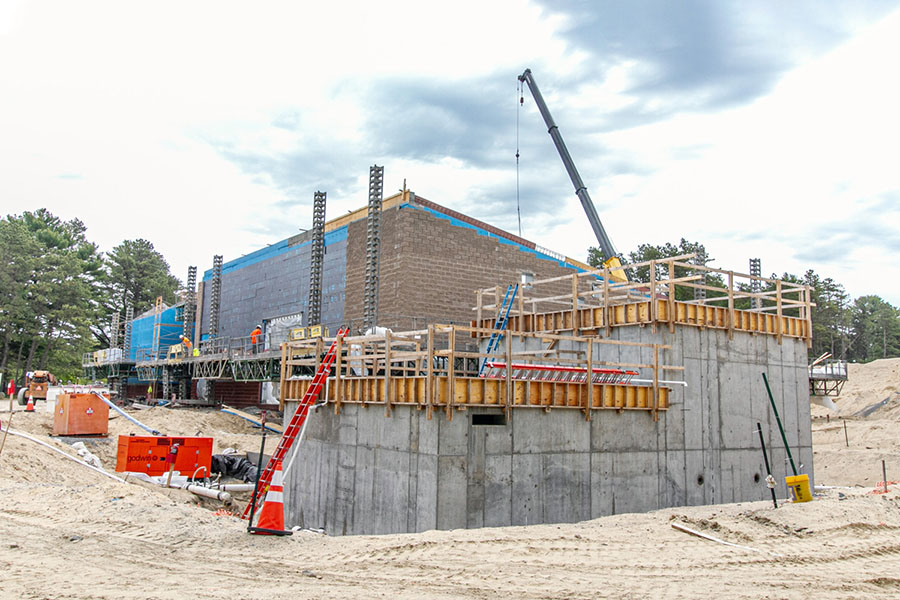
[254, 339]
[187, 345]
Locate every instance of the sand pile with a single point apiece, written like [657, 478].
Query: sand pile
[68, 532]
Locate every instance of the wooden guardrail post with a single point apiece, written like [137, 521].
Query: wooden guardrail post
[808, 315]
[607, 309]
[589, 401]
[653, 296]
[575, 326]
[671, 296]
[387, 373]
[731, 305]
[338, 382]
[656, 382]
[429, 375]
[778, 323]
[451, 371]
[509, 401]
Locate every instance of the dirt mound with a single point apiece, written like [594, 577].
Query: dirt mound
[867, 385]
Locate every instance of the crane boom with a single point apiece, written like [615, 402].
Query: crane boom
[605, 243]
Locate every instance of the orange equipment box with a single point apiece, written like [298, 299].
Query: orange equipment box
[147, 454]
[80, 414]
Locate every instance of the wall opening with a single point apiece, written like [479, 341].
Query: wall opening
[489, 419]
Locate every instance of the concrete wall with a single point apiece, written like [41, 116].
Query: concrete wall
[360, 472]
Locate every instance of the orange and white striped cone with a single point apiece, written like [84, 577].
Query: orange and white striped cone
[30, 406]
[271, 517]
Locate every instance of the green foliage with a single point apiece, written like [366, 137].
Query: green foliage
[57, 291]
[648, 252]
[875, 329]
[137, 275]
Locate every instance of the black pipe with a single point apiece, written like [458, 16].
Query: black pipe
[262, 447]
[762, 442]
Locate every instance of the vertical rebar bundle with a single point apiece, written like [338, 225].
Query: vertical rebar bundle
[316, 260]
[755, 287]
[215, 296]
[114, 331]
[190, 303]
[700, 293]
[126, 343]
[373, 246]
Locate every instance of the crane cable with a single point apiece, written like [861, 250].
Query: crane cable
[518, 109]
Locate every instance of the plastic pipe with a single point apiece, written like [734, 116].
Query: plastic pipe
[199, 490]
[235, 487]
[126, 415]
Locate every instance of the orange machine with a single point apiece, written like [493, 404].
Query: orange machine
[147, 454]
[80, 414]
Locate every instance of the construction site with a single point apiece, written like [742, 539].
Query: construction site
[420, 391]
[463, 400]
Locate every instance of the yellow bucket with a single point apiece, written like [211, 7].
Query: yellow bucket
[799, 485]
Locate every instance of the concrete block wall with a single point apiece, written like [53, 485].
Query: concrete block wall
[276, 283]
[432, 263]
[361, 472]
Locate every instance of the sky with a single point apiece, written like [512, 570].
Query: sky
[761, 129]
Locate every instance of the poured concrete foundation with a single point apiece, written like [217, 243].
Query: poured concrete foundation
[360, 472]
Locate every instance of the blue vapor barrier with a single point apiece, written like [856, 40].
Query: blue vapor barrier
[273, 250]
[142, 332]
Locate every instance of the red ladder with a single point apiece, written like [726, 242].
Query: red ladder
[293, 429]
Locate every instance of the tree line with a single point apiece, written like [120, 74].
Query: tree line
[862, 329]
[58, 292]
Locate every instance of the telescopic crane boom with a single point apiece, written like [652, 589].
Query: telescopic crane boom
[612, 261]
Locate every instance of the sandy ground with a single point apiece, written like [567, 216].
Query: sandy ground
[68, 532]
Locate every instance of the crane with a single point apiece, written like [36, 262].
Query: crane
[612, 261]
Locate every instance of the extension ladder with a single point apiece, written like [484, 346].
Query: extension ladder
[293, 429]
[557, 373]
[500, 325]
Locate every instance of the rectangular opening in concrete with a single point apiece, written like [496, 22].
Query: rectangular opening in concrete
[489, 419]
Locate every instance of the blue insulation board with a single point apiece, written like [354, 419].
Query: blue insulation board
[142, 332]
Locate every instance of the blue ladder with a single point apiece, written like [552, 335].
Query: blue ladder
[500, 325]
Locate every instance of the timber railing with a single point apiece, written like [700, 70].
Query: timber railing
[590, 303]
[434, 369]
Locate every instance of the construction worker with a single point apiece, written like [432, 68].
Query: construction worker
[187, 346]
[254, 339]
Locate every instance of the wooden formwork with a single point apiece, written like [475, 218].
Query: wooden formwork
[430, 370]
[592, 305]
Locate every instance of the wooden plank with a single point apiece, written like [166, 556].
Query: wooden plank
[429, 376]
[338, 381]
[778, 324]
[387, 373]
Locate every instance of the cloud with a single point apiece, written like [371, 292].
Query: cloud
[699, 55]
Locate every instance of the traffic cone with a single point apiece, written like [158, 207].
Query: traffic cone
[271, 517]
[30, 406]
